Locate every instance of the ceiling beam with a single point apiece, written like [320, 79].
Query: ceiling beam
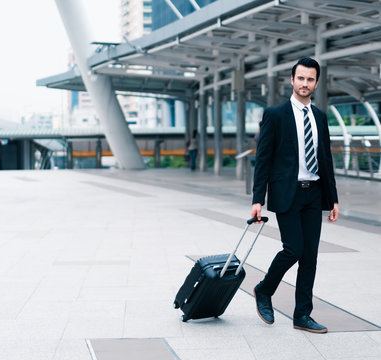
[306, 6]
[354, 4]
[271, 34]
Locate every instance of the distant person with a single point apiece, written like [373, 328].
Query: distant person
[193, 149]
[294, 166]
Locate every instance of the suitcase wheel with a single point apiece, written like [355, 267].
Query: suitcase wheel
[185, 318]
[176, 304]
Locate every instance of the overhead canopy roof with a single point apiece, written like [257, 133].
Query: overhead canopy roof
[219, 37]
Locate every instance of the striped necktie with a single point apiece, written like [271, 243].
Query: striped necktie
[311, 161]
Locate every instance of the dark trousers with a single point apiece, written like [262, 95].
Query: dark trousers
[300, 229]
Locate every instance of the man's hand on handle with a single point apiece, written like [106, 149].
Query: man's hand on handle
[334, 213]
[256, 212]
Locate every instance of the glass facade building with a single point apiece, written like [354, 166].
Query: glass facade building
[162, 14]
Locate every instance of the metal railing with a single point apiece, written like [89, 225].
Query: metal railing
[362, 162]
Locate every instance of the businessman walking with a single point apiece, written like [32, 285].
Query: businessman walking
[294, 166]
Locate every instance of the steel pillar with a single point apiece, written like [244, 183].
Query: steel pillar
[166, 113]
[69, 154]
[98, 154]
[192, 117]
[272, 95]
[203, 139]
[321, 92]
[188, 106]
[116, 129]
[217, 131]
[239, 88]
[179, 113]
[272, 78]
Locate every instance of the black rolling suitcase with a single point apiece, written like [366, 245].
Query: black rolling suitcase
[212, 282]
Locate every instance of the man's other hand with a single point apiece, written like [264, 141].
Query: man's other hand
[334, 213]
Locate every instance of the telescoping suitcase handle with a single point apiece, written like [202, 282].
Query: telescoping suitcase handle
[249, 222]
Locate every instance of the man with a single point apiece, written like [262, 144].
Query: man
[294, 166]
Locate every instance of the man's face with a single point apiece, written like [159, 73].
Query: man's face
[304, 82]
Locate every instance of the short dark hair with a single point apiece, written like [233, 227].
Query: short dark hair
[307, 62]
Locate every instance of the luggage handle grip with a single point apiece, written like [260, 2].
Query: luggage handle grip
[264, 219]
[255, 219]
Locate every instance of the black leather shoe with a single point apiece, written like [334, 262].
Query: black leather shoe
[264, 306]
[308, 324]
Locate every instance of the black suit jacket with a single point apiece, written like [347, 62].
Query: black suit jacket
[277, 160]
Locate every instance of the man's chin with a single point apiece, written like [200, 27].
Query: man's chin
[304, 94]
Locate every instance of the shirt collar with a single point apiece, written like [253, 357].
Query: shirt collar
[299, 105]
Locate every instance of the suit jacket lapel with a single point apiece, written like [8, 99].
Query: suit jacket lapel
[289, 115]
[319, 126]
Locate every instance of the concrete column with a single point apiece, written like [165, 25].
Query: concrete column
[25, 154]
[209, 111]
[69, 154]
[179, 114]
[241, 132]
[192, 117]
[107, 107]
[188, 107]
[217, 128]
[272, 96]
[157, 158]
[272, 79]
[321, 93]
[238, 87]
[98, 154]
[166, 113]
[203, 139]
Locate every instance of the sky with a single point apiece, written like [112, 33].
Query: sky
[34, 45]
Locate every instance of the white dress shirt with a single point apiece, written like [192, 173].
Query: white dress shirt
[297, 107]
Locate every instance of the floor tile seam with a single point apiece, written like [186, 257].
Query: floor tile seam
[360, 219]
[82, 286]
[183, 189]
[249, 346]
[38, 285]
[372, 340]
[121, 180]
[124, 318]
[366, 228]
[59, 343]
[309, 339]
[117, 189]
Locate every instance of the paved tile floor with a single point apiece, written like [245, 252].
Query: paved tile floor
[100, 254]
